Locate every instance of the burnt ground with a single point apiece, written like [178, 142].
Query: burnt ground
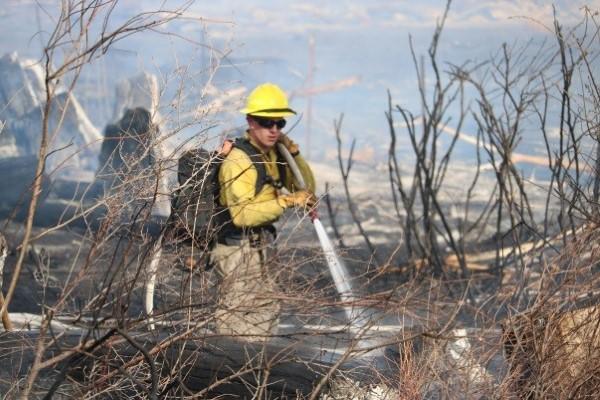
[312, 313]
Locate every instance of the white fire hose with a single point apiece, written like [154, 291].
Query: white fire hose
[338, 270]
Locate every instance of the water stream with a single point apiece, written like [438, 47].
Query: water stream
[359, 318]
[339, 272]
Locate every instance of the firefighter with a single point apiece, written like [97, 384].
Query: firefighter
[246, 306]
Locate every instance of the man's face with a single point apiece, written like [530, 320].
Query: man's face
[265, 131]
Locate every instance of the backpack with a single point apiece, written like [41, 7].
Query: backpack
[196, 212]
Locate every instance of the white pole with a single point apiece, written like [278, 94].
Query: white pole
[151, 282]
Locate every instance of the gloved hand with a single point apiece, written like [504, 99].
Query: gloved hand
[289, 144]
[301, 198]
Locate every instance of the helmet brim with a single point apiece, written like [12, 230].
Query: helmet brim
[273, 113]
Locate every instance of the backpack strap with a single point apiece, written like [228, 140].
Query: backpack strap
[263, 178]
[281, 164]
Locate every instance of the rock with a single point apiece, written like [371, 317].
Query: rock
[129, 162]
[142, 91]
[21, 86]
[21, 90]
[75, 145]
[22, 97]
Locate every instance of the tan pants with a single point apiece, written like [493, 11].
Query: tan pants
[246, 306]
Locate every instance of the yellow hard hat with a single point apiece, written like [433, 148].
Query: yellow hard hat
[268, 100]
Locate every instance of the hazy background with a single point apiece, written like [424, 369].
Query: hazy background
[360, 50]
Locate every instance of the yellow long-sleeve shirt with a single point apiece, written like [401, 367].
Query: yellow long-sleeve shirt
[237, 177]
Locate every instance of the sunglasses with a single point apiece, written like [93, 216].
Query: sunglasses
[269, 123]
